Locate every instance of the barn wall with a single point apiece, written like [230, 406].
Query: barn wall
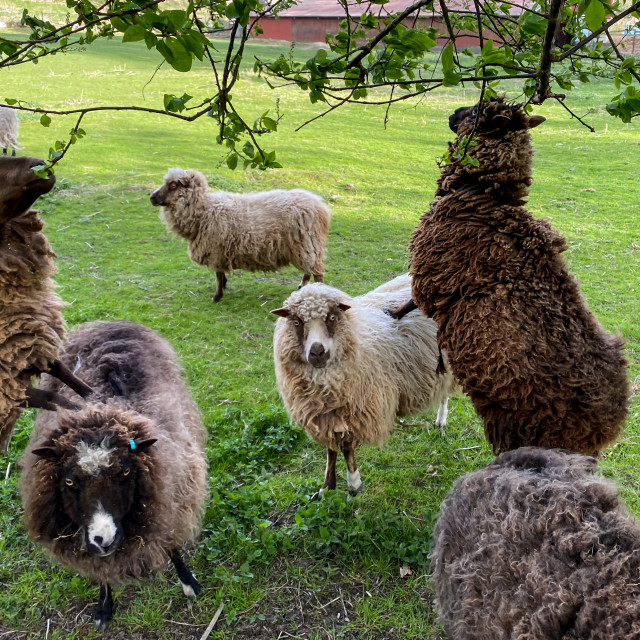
[309, 29]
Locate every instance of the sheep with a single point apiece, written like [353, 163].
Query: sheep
[113, 489]
[9, 124]
[536, 547]
[255, 231]
[31, 324]
[345, 369]
[520, 338]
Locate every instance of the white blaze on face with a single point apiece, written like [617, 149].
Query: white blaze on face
[101, 530]
[92, 458]
[317, 333]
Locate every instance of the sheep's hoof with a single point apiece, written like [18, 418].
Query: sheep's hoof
[217, 297]
[192, 588]
[101, 620]
[354, 482]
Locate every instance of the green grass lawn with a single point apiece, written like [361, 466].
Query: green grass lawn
[285, 567]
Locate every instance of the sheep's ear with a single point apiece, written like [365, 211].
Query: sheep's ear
[534, 121]
[283, 313]
[141, 445]
[343, 307]
[182, 182]
[47, 453]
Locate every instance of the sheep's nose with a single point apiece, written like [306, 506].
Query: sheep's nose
[155, 199]
[318, 355]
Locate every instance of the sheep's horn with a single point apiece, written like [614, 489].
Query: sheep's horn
[64, 374]
[48, 400]
[534, 121]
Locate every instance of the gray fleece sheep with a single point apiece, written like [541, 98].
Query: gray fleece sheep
[114, 489]
[254, 231]
[535, 547]
[345, 369]
[9, 124]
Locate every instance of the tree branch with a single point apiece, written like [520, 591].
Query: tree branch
[542, 91]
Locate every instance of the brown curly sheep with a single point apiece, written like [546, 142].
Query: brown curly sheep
[520, 337]
[114, 489]
[535, 547]
[31, 324]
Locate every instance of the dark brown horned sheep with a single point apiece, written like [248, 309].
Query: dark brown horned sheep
[520, 337]
[535, 547]
[31, 324]
[114, 489]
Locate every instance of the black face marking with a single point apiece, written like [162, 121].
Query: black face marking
[297, 324]
[330, 322]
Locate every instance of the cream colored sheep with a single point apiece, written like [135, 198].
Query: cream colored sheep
[9, 124]
[255, 231]
[346, 369]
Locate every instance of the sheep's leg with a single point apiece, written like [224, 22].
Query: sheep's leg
[305, 280]
[104, 610]
[190, 586]
[13, 153]
[64, 374]
[443, 412]
[402, 311]
[348, 446]
[318, 277]
[222, 283]
[49, 400]
[329, 473]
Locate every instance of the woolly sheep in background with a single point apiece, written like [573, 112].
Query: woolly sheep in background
[254, 231]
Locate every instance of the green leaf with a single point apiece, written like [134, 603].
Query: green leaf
[447, 59]
[45, 120]
[533, 24]
[270, 123]
[10, 101]
[451, 79]
[134, 33]
[232, 161]
[248, 149]
[119, 24]
[594, 14]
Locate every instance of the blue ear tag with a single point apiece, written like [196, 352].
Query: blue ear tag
[132, 444]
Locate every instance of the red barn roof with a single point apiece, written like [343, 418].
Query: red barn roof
[333, 9]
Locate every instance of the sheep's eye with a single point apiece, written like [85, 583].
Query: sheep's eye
[474, 112]
[331, 318]
[126, 472]
[69, 482]
[172, 186]
[296, 323]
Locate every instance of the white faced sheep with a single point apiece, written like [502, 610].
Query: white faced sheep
[114, 489]
[534, 360]
[31, 322]
[345, 369]
[9, 124]
[254, 231]
[535, 547]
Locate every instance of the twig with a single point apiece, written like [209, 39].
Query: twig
[573, 115]
[212, 624]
